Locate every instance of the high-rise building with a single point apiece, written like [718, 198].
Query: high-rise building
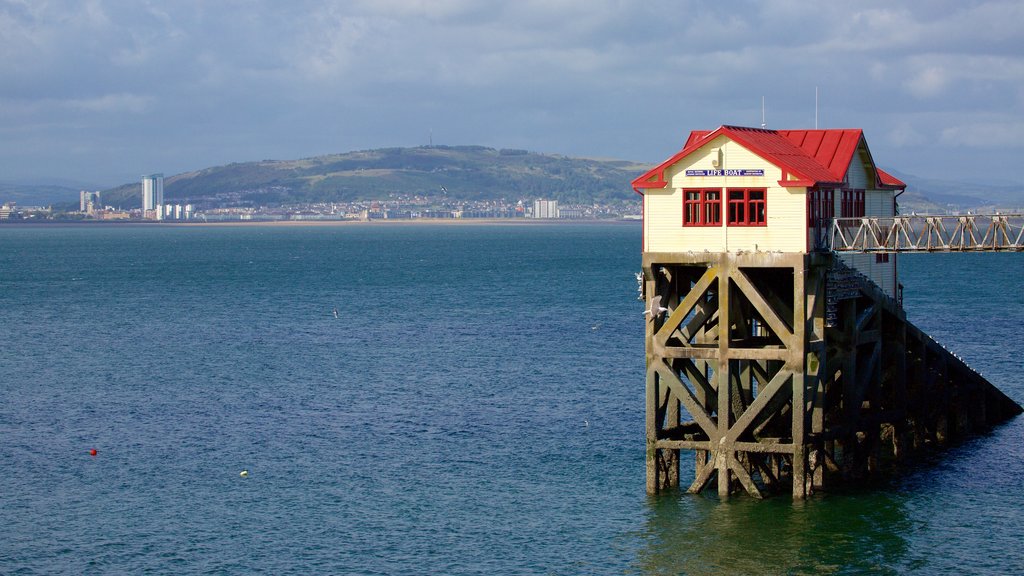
[152, 192]
[89, 202]
[545, 208]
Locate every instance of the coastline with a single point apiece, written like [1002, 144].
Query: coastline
[325, 223]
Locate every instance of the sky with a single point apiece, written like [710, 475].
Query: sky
[103, 91]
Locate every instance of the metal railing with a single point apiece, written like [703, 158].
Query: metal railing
[963, 233]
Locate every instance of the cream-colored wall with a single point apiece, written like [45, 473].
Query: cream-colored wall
[857, 175]
[786, 229]
[877, 203]
[881, 274]
[663, 208]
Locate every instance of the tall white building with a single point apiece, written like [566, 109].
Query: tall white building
[89, 202]
[152, 192]
[545, 208]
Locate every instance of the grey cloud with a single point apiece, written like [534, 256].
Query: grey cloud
[173, 86]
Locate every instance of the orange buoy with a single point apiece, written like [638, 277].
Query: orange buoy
[92, 452]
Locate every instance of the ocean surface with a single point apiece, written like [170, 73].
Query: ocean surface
[476, 407]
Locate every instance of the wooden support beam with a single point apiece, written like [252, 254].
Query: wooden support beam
[703, 473]
[768, 353]
[748, 358]
[684, 444]
[703, 352]
[669, 378]
[782, 378]
[799, 408]
[759, 303]
[815, 365]
[686, 306]
[653, 487]
[766, 447]
[705, 393]
[703, 313]
[743, 476]
[724, 376]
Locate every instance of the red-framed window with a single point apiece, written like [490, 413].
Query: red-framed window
[882, 258]
[853, 204]
[702, 207]
[747, 206]
[821, 207]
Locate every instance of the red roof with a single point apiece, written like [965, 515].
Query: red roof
[890, 181]
[810, 157]
[832, 149]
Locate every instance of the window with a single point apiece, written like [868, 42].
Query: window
[747, 207]
[702, 207]
[853, 204]
[882, 258]
[820, 207]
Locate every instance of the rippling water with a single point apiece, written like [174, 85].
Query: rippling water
[476, 407]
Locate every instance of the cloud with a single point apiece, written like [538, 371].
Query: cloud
[927, 82]
[904, 135]
[430, 10]
[112, 103]
[330, 48]
[238, 79]
[994, 135]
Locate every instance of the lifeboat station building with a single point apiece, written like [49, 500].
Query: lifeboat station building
[739, 189]
[779, 361]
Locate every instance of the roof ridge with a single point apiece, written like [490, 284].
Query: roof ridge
[750, 129]
[823, 159]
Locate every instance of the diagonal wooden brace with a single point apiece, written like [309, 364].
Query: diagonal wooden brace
[777, 324]
[686, 306]
[681, 391]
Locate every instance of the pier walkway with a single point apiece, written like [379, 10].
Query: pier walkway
[958, 233]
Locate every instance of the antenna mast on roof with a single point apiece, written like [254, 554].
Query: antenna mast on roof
[815, 107]
[763, 125]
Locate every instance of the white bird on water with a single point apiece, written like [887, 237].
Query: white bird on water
[656, 308]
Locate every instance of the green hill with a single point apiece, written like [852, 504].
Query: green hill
[39, 194]
[469, 173]
[461, 172]
[932, 196]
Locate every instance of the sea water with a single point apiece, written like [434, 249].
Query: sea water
[475, 406]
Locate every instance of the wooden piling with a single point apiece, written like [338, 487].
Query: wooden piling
[777, 395]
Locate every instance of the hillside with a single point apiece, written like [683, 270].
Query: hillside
[38, 194]
[927, 195]
[462, 172]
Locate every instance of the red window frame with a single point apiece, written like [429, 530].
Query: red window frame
[853, 204]
[821, 207]
[747, 206]
[702, 206]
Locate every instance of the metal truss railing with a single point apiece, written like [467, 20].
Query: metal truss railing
[964, 233]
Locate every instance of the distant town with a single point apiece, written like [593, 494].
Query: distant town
[228, 207]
